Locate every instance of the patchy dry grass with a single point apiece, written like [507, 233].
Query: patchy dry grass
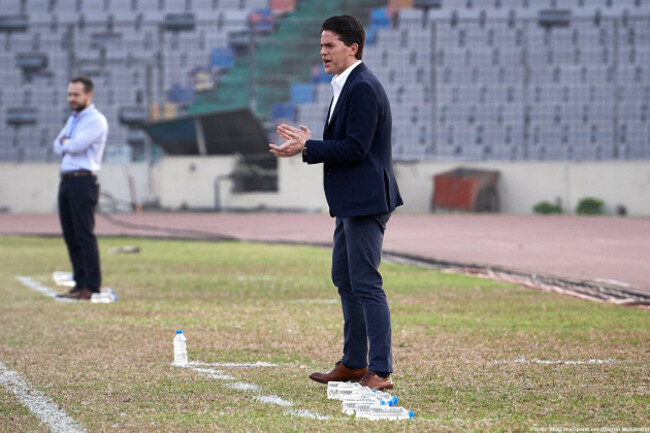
[15, 417]
[466, 349]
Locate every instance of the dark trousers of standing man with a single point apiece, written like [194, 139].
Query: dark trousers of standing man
[78, 197]
[355, 271]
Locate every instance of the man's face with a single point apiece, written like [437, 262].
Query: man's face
[337, 56]
[78, 99]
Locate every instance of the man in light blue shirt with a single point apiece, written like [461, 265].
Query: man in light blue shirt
[81, 144]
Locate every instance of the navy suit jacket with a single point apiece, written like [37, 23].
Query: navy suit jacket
[356, 150]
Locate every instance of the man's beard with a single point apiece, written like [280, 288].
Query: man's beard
[81, 107]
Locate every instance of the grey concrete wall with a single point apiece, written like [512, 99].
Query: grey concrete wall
[524, 184]
[201, 183]
[33, 187]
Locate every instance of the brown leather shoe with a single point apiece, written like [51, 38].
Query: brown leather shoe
[71, 292]
[81, 295]
[372, 381]
[339, 373]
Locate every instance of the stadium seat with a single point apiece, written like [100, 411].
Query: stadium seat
[472, 71]
[32, 6]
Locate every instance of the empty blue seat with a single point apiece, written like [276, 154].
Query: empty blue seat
[284, 111]
[379, 18]
[302, 93]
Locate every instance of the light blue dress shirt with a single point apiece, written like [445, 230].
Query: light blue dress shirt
[84, 146]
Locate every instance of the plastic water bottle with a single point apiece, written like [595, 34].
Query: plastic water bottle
[348, 392]
[62, 278]
[381, 398]
[362, 410]
[387, 412]
[331, 388]
[100, 298]
[106, 296]
[336, 389]
[352, 393]
[349, 407]
[180, 349]
[385, 397]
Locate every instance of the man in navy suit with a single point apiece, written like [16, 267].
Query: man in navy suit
[361, 192]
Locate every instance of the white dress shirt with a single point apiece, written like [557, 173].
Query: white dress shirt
[338, 81]
[85, 133]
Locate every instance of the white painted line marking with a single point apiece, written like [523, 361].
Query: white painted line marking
[214, 374]
[232, 364]
[558, 362]
[316, 301]
[38, 287]
[30, 283]
[241, 386]
[273, 399]
[305, 414]
[37, 403]
[248, 387]
[568, 362]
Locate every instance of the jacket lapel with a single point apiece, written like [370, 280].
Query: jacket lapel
[327, 115]
[344, 94]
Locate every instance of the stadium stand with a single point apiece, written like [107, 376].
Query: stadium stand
[514, 80]
[467, 79]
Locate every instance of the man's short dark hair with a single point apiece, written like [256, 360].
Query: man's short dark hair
[349, 30]
[87, 82]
